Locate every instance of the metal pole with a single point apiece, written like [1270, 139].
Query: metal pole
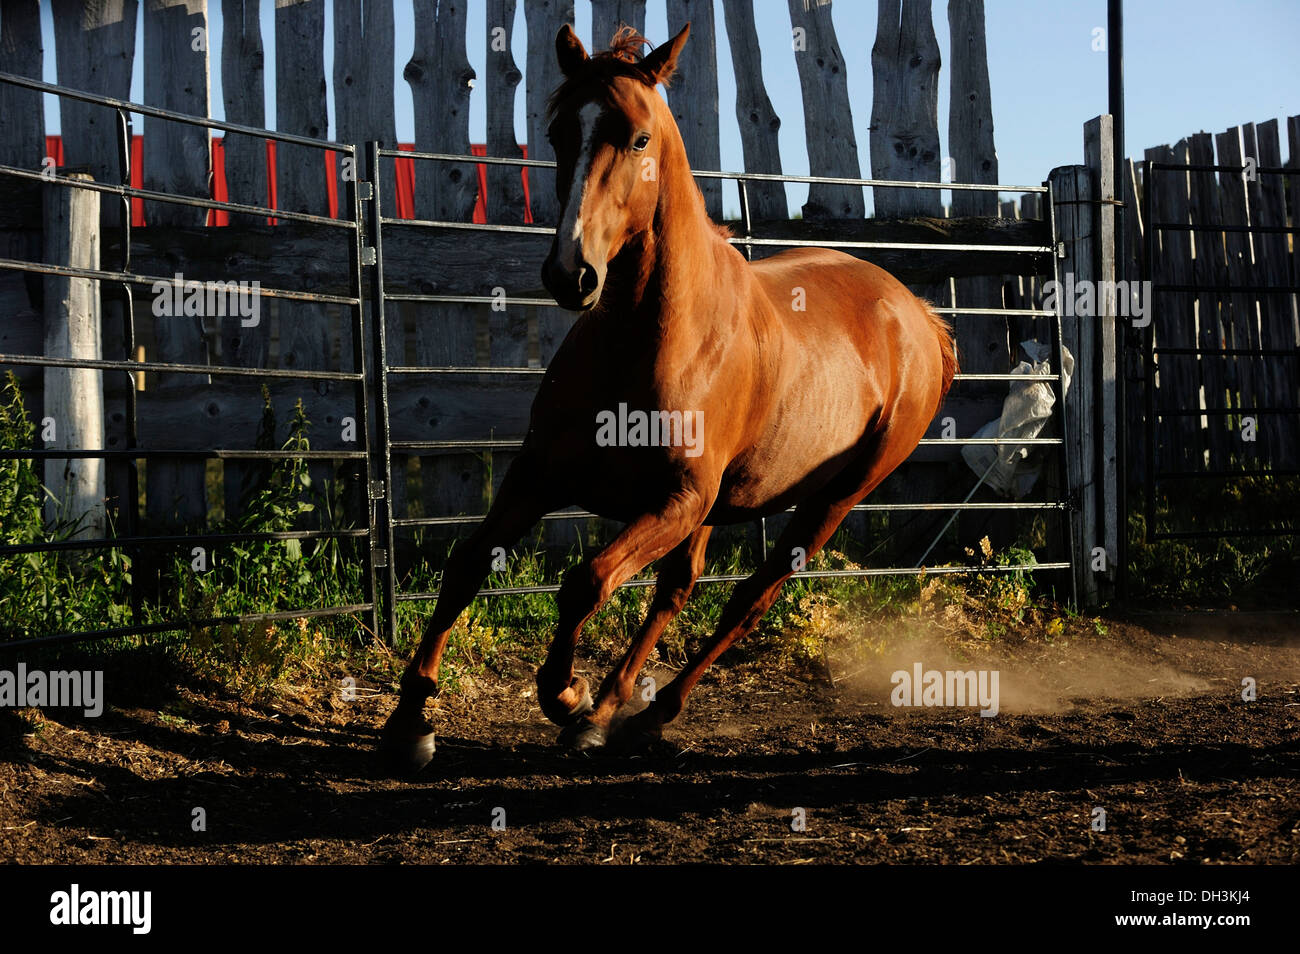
[379, 492]
[1115, 83]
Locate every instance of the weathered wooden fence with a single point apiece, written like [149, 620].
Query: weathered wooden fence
[95, 51]
[1218, 242]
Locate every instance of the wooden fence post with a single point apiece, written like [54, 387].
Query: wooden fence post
[1073, 195]
[243, 88]
[693, 94]
[441, 79]
[74, 397]
[177, 160]
[1098, 139]
[300, 108]
[758, 121]
[827, 115]
[364, 112]
[608, 15]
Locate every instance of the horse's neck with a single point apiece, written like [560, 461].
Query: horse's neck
[659, 277]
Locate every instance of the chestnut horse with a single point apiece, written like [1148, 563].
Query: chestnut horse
[695, 389]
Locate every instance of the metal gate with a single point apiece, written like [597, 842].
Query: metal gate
[361, 225]
[118, 283]
[388, 522]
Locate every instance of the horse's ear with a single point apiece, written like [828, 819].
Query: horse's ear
[569, 50]
[662, 60]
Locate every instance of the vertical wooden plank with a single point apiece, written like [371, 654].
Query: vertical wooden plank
[1209, 268]
[1132, 354]
[608, 15]
[985, 341]
[693, 94]
[505, 184]
[1244, 320]
[1026, 329]
[904, 144]
[243, 91]
[1293, 195]
[1268, 209]
[828, 117]
[74, 396]
[22, 144]
[1072, 190]
[1174, 316]
[507, 325]
[905, 108]
[94, 48]
[441, 78]
[300, 108]
[177, 160]
[22, 114]
[363, 82]
[364, 112]
[754, 113]
[544, 19]
[1098, 139]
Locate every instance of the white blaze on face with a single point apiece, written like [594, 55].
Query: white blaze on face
[570, 230]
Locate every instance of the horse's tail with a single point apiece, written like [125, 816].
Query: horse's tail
[947, 348]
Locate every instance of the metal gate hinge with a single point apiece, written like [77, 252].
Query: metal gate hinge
[378, 557]
[365, 190]
[1060, 250]
[368, 255]
[378, 491]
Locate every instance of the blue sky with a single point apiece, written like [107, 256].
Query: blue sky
[1189, 66]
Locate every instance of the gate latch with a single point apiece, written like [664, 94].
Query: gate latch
[377, 490]
[365, 190]
[378, 557]
[368, 255]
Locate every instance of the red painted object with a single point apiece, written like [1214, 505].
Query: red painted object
[405, 180]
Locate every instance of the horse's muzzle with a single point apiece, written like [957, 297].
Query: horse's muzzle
[576, 290]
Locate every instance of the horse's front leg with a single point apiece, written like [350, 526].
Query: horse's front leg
[565, 697]
[678, 572]
[407, 738]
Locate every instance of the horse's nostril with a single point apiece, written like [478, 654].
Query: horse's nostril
[587, 280]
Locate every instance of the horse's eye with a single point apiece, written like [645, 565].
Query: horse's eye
[642, 141]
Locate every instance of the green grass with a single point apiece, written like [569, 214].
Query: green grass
[1235, 570]
[42, 593]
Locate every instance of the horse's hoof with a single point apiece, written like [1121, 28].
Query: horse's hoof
[406, 753]
[583, 736]
[561, 715]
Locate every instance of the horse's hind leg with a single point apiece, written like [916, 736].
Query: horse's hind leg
[407, 739]
[677, 575]
[811, 526]
[562, 695]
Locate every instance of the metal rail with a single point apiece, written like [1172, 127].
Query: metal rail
[118, 283]
[389, 524]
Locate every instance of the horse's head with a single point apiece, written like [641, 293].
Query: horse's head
[609, 128]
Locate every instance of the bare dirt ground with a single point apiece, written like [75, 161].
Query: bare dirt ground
[1145, 722]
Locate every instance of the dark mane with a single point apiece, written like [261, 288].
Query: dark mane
[623, 58]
